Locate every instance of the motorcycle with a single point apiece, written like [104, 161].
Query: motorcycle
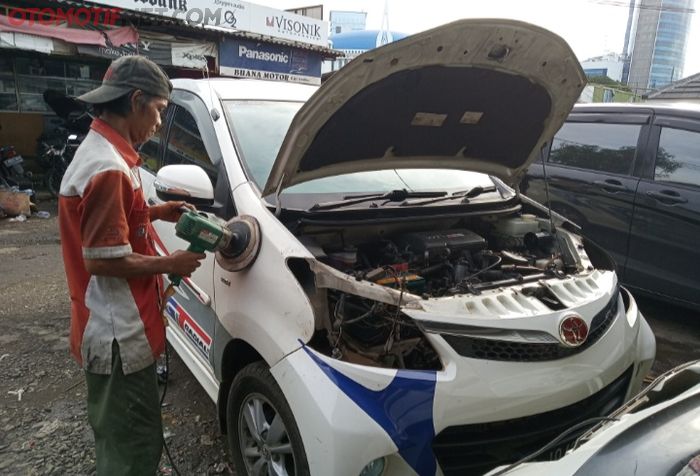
[12, 173]
[56, 151]
[57, 157]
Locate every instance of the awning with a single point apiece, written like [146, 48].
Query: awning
[115, 37]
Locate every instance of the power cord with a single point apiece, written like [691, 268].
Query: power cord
[162, 398]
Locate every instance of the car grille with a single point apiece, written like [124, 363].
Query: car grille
[475, 449]
[491, 349]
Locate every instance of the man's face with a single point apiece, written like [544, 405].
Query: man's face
[145, 117]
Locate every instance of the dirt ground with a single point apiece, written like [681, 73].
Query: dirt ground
[43, 423]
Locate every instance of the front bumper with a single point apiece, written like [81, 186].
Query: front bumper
[427, 422]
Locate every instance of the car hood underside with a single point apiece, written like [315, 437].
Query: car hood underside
[480, 95]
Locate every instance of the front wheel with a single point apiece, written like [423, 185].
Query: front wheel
[263, 436]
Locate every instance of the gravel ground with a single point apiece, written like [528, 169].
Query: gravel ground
[43, 423]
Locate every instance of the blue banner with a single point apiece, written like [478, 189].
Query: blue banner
[266, 61]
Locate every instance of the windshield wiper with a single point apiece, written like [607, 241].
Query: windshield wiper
[465, 195]
[393, 196]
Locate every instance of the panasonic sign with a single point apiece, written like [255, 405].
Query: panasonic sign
[248, 53]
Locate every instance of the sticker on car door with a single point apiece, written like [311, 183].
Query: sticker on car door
[177, 314]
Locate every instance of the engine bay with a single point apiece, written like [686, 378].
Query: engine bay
[461, 260]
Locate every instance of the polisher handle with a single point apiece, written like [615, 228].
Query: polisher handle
[175, 279]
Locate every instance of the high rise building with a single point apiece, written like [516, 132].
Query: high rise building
[657, 32]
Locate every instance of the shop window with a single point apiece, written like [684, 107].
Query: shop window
[185, 144]
[36, 75]
[8, 86]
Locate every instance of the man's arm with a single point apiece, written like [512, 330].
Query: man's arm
[168, 211]
[181, 263]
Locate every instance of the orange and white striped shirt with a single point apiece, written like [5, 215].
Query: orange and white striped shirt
[103, 214]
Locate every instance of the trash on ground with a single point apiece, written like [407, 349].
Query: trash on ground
[14, 202]
[19, 218]
[42, 214]
[18, 393]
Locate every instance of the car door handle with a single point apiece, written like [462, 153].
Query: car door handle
[611, 185]
[669, 197]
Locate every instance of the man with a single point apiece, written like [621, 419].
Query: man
[113, 273]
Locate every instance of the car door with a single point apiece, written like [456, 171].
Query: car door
[664, 255]
[590, 171]
[189, 140]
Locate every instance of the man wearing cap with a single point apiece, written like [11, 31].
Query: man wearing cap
[112, 270]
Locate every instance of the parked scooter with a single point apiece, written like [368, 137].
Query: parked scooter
[12, 173]
[56, 158]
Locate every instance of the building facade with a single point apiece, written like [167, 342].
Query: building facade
[657, 34]
[610, 65]
[343, 22]
[43, 48]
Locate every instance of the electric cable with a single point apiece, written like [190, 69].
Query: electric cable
[552, 443]
[162, 398]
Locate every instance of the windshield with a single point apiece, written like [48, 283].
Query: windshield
[259, 127]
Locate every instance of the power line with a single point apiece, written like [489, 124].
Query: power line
[639, 5]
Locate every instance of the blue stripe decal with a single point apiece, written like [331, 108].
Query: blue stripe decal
[404, 409]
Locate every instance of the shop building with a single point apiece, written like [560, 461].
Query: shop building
[68, 45]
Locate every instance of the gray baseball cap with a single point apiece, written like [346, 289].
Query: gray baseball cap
[126, 74]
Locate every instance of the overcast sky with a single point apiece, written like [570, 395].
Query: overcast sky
[591, 27]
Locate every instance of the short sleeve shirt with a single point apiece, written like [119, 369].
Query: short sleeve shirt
[103, 215]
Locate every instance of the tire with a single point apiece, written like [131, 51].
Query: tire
[53, 182]
[255, 394]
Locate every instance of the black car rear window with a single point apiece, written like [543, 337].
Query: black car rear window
[678, 157]
[601, 147]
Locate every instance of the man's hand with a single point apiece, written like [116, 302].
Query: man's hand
[183, 263]
[169, 211]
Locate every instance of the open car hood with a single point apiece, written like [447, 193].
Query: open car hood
[484, 95]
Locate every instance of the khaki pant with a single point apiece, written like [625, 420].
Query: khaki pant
[124, 412]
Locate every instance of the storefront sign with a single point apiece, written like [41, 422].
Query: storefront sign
[166, 52]
[157, 51]
[249, 59]
[234, 15]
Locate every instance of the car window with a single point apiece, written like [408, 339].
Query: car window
[259, 128]
[185, 145]
[149, 149]
[602, 147]
[678, 157]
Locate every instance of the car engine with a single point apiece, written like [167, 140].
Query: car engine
[434, 264]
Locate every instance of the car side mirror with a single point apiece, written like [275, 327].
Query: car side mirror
[184, 182]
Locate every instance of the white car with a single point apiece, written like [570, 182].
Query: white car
[657, 432]
[408, 312]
